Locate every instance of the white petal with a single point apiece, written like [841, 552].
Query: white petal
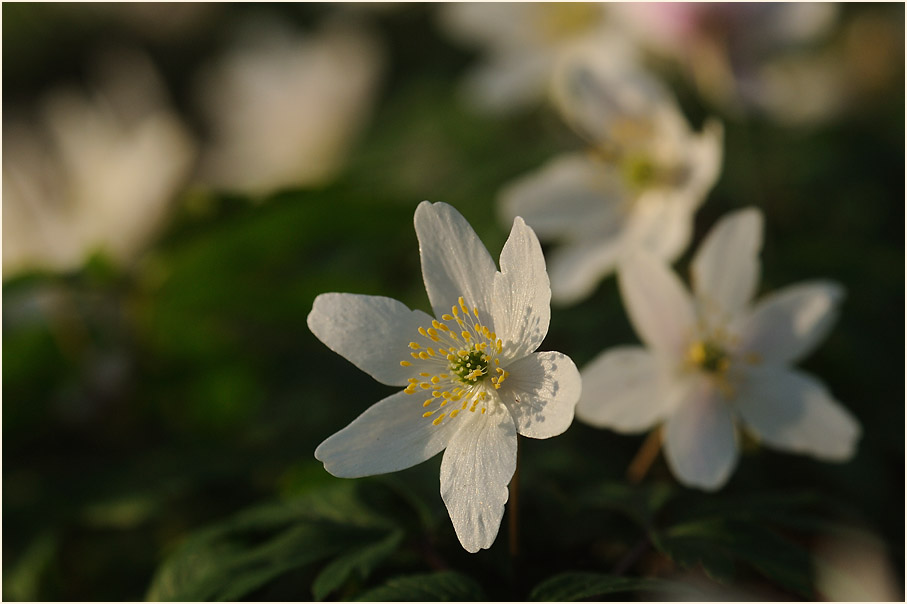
[507, 81]
[625, 389]
[700, 439]
[475, 471]
[725, 269]
[541, 393]
[787, 325]
[576, 268]
[571, 196]
[390, 435]
[658, 304]
[372, 332]
[454, 261]
[521, 306]
[793, 411]
[659, 225]
[704, 154]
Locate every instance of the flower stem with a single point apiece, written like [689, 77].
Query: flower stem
[646, 455]
[513, 503]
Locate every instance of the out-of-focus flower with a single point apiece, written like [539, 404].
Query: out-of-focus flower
[284, 108]
[724, 45]
[97, 174]
[854, 566]
[713, 360]
[473, 381]
[637, 188]
[522, 41]
[853, 69]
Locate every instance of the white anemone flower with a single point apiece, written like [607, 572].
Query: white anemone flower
[472, 379]
[284, 108]
[715, 360]
[522, 42]
[96, 171]
[637, 187]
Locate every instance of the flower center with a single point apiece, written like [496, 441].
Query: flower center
[709, 357]
[639, 171]
[457, 360]
[565, 20]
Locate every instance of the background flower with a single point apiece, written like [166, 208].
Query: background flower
[284, 107]
[714, 360]
[99, 173]
[637, 187]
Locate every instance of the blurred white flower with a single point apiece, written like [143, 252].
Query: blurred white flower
[284, 108]
[637, 188]
[522, 41]
[855, 68]
[473, 381]
[724, 45]
[855, 566]
[714, 359]
[97, 174]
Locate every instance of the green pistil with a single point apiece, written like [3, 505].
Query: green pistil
[465, 366]
[639, 171]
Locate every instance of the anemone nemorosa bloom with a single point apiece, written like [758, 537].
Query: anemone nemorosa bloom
[471, 378]
[715, 360]
[637, 186]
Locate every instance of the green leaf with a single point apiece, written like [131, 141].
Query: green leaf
[362, 561]
[574, 586]
[232, 559]
[715, 543]
[448, 586]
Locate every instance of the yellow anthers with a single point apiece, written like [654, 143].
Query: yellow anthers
[483, 410]
[430, 351]
[425, 386]
[439, 419]
[475, 311]
[446, 394]
[436, 393]
[414, 346]
[443, 376]
[455, 311]
[454, 413]
[463, 306]
[428, 402]
[451, 358]
[414, 355]
[422, 332]
[444, 327]
[410, 389]
[435, 379]
[428, 414]
[447, 317]
[423, 374]
[405, 363]
[432, 332]
[423, 355]
[466, 335]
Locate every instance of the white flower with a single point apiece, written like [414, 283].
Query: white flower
[472, 379]
[715, 359]
[523, 41]
[637, 188]
[285, 108]
[723, 46]
[99, 172]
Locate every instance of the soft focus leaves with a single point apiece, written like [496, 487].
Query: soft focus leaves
[573, 587]
[436, 587]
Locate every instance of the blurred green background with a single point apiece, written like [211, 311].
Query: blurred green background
[144, 409]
